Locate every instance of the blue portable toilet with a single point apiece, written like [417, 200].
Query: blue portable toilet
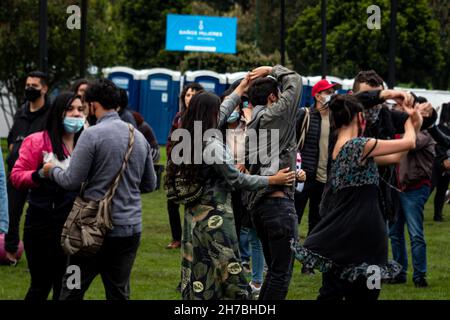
[232, 77]
[210, 80]
[305, 100]
[128, 79]
[159, 97]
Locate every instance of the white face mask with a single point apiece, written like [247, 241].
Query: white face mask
[327, 100]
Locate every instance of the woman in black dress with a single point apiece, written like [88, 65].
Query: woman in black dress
[351, 239]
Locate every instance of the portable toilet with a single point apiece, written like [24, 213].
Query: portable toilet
[306, 98]
[128, 79]
[210, 80]
[232, 77]
[159, 93]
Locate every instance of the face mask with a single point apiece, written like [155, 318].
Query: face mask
[92, 120]
[73, 125]
[371, 115]
[234, 117]
[327, 99]
[32, 94]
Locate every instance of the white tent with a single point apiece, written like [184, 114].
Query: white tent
[435, 97]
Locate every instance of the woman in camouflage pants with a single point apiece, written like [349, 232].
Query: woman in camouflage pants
[211, 263]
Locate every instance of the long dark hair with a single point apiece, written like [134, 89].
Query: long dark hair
[54, 125]
[343, 109]
[77, 84]
[204, 107]
[194, 86]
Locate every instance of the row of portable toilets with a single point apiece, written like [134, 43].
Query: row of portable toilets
[155, 92]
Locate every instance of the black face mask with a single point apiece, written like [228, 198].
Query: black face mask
[92, 120]
[32, 94]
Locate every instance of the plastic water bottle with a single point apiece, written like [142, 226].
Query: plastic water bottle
[299, 185]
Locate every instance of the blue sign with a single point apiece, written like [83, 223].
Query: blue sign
[201, 33]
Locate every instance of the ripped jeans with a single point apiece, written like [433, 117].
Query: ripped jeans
[275, 221]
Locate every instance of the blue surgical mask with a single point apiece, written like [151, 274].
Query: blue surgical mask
[234, 117]
[73, 125]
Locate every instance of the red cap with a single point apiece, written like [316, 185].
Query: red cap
[322, 85]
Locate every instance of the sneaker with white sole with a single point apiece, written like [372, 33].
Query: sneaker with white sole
[255, 290]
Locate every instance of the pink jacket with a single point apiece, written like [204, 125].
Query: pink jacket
[31, 158]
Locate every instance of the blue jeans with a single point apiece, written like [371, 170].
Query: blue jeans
[249, 240]
[412, 205]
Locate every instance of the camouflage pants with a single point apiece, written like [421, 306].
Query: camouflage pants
[211, 264]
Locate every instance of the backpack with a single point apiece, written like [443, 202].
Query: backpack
[182, 191]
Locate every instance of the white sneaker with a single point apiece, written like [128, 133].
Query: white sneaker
[254, 288]
[255, 291]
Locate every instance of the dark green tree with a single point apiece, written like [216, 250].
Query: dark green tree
[247, 58]
[441, 9]
[352, 46]
[144, 23]
[19, 41]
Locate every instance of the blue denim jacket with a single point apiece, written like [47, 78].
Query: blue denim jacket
[4, 221]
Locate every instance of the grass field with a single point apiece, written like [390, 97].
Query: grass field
[156, 271]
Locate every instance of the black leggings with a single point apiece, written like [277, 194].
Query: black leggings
[173, 210]
[440, 182]
[16, 201]
[46, 259]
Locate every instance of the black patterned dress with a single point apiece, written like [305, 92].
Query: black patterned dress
[352, 234]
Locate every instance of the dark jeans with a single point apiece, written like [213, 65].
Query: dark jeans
[313, 191]
[113, 262]
[440, 182]
[236, 202]
[335, 289]
[46, 259]
[275, 221]
[173, 210]
[16, 202]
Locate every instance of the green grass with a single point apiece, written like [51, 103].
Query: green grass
[156, 271]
